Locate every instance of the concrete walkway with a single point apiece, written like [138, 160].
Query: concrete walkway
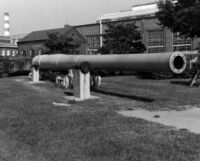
[186, 119]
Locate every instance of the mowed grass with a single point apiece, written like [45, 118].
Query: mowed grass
[33, 129]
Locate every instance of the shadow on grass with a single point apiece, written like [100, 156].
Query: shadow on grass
[181, 82]
[137, 98]
[68, 93]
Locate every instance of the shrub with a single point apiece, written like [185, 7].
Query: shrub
[13, 65]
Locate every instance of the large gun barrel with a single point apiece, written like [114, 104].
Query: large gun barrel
[162, 62]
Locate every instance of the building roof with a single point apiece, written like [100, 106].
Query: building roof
[4, 37]
[42, 34]
[144, 2]
[137, 11]
[8, 46]
[90, 24]
[18, 36]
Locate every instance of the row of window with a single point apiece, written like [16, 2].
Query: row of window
[31, 53]
[4, 41]
[156, 42]
[181, 43]
[9, 52]
[5, 52]
[93, 42]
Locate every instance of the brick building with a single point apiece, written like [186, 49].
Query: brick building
[155, 38]
[33, 43]
[91, 32]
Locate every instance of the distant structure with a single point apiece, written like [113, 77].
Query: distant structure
[156, 38]
[33, 43]
[8, 44]
[6, 24]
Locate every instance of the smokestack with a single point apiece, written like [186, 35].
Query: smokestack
[6, 24]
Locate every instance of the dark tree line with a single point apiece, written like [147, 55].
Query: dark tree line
[118, 39]
[182, 16]
[60, 43]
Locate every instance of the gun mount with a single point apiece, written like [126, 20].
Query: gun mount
[165, 62]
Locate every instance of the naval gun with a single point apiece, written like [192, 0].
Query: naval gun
[174, 62]
[83, 64]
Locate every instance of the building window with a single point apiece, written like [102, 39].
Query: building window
[32, 53]
[23, 52]
[12, 41]
[3, 53]
[40, 52]
[2, 41]
[93, 42]
[13, 53]
[180, 43]
[8, 52]
[156, 43]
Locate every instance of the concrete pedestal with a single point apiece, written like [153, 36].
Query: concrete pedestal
[81, 85]
[35, 75]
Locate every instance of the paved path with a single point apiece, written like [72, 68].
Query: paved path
[186, 119]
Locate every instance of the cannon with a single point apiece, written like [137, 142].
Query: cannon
[164, 62]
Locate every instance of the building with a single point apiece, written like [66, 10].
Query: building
[6, 48]
[33, 43]
[8, 44]
[91, 32]
[156, 38]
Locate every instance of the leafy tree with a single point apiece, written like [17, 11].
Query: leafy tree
[122, 39]
[181, 16]
[60, 43]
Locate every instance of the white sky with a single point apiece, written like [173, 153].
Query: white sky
[30, 15]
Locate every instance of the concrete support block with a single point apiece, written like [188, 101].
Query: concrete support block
[81, 85]
[35, 75]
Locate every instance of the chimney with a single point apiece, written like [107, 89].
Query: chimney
[6, 24]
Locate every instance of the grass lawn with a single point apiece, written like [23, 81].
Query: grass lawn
[33, 129]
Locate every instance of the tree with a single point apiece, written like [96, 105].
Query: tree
[60, 43]
[122, 39]
[181, 16]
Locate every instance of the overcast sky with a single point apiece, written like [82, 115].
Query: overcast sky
[30, 15]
